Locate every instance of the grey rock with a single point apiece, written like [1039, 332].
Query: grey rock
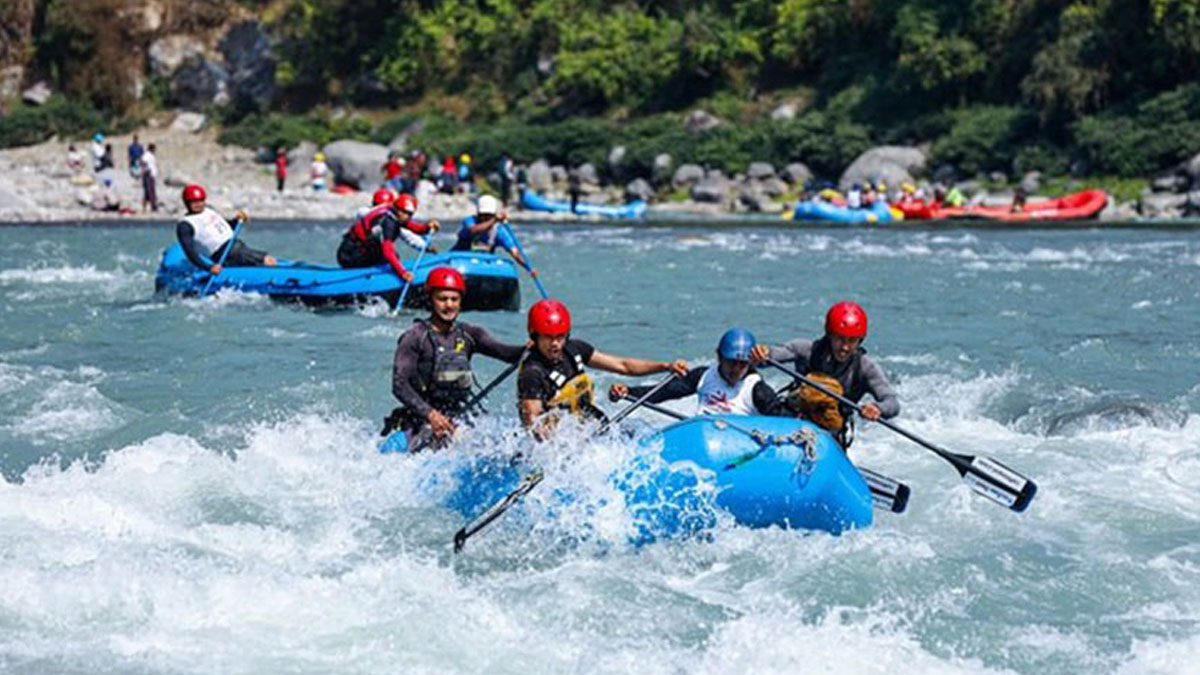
[176, 179]
[998, 177]
[1192, 168]
[774, 187]
[540, 178]
[38, 94]
[199, 83]
[687, 175]
[1162, 205]
[785, 112]
[715, 173]
[797, 173]
[760, 171]
[1114, 212]
[558, 174]
[1031, 182]
[356, 163]
[11, 78]
[662, 166]
[639, 188]
[587, 174]
[545, 65]
[247, 51]
[616, 157]
[188, 122]
[1171, 183]
[945, 173]
[893, 164]
[301, 155]
[168, 53]
[700, 120]
[713, 189]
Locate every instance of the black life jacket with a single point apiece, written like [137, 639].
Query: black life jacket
[446, 382]
[573, 388]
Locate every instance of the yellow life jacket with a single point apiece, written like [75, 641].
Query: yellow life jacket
[576, 395]
[818, 407]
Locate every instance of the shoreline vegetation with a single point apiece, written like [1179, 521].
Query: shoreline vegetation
[1047, 97]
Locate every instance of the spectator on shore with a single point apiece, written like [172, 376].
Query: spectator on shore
[393, 173]
[574, 187]
[466, 174]
[135, 153]
[318, 171]
[149, 164]
[105, 198]
[522, 180]
[508, 172]
[97, 152]
[75, 159]
[280, 168]
[448, 178]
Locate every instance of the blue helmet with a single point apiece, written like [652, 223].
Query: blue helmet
[736, 344]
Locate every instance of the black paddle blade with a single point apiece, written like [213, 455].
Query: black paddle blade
[887, 494]
[1000, 484]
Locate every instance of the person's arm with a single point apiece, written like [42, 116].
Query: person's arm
[477, 228]
[391, 230]
[767, 402]
[421, 228]
[792, 351]
[881, 389]
[489, 346]
[404, 371]
[531, 391]
[628, 365]
[187, 240]
[679, 387]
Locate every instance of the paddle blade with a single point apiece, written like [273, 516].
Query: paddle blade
[1000, 484]
[886, 493]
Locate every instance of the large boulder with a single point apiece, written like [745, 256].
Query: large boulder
[587, 174]
[797, 173]
[1031, 182]
[639, 188]
[168, 53]
[1114, 212]
[188, 122]
[712, 189]
[760, 171]
[687, 175]
[1170, 183]
[38, 94]
[540, 178]
[662, 166]
[199, 83]
[773, 187]
[356, 163]
[559, 174]
[1192, 169]
[700, 120]
[752, 195]
[893, 164]
[616, 159]
[1162, 205]
[247, 51]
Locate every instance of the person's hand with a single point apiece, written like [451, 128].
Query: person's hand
[441, 425]
[678, 366]
[759, 354]
[871, 412]
[241, 215]
[406, 276]
[617, 392]
[214, 270]
[270, 261]
[435, 225]
[503, 215]
[533, 273]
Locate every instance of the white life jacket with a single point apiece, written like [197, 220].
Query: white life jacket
[716, 396]
[211, 230]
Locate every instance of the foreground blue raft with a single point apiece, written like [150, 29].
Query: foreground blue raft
[801, 479]
[492, 281]
[535, 202]
[879, 212]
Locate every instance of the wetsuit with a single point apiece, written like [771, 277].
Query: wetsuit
[552, 383]
[204, 237]
[859, 376]
[495, 237]
[371, 239]
[750, 396]
[432, 370]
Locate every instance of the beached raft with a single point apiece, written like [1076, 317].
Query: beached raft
[1076, 206]
[820, 210]
[535, 202]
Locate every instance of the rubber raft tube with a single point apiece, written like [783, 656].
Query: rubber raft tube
[1075, 206]
[535, 202]
[879, 212]
[492, 281]
[793, 475]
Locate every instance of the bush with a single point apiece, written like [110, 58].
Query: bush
[1157, 135]
[276, 129]
[27, 125]
[983, 138]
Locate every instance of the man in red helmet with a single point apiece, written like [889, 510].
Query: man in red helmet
[839, 361]
[204, 234]
[371, 239]
[431, 375]
[553, 378]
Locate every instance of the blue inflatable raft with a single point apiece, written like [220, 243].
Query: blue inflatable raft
[535, 202]
[492, 281]
[879, 212]
[764, 471]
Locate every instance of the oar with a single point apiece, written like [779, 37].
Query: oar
[886, 493]
[533, 478]
[528, 262]
[416, 265]
[984, 475]
[224, 255]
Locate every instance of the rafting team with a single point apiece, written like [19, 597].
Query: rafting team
[432, 376]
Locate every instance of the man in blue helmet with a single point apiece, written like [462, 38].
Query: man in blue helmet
[730, 387]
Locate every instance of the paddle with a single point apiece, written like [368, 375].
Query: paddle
[984, 475]
[886, 493]
[531, 480]
[417, 264]
[224, 255]
[528, 262]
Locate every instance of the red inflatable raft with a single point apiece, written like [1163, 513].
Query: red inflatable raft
[1077, 206]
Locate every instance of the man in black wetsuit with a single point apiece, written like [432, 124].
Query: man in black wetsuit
[839, 362]
[204, 234]
[432, 375]
[731, 387]
[553, 378]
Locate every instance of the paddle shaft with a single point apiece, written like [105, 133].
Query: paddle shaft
[413, 271]
[1000, 483]
[224, 254]
[528, 262]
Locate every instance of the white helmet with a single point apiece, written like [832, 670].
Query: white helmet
[487, 205]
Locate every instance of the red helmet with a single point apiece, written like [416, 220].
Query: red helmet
[383, 196]
[405, 202]
[549, 317]
[194, 193]
[846, 319]
[445, 279]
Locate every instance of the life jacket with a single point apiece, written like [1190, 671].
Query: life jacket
[211, 230]
[574, 390]
[446, 383]
[715, 396]
[850, 384]
[370, 225]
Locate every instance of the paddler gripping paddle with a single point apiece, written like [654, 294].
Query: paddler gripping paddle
[984, 475]
[224, 254]
[531, 480]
